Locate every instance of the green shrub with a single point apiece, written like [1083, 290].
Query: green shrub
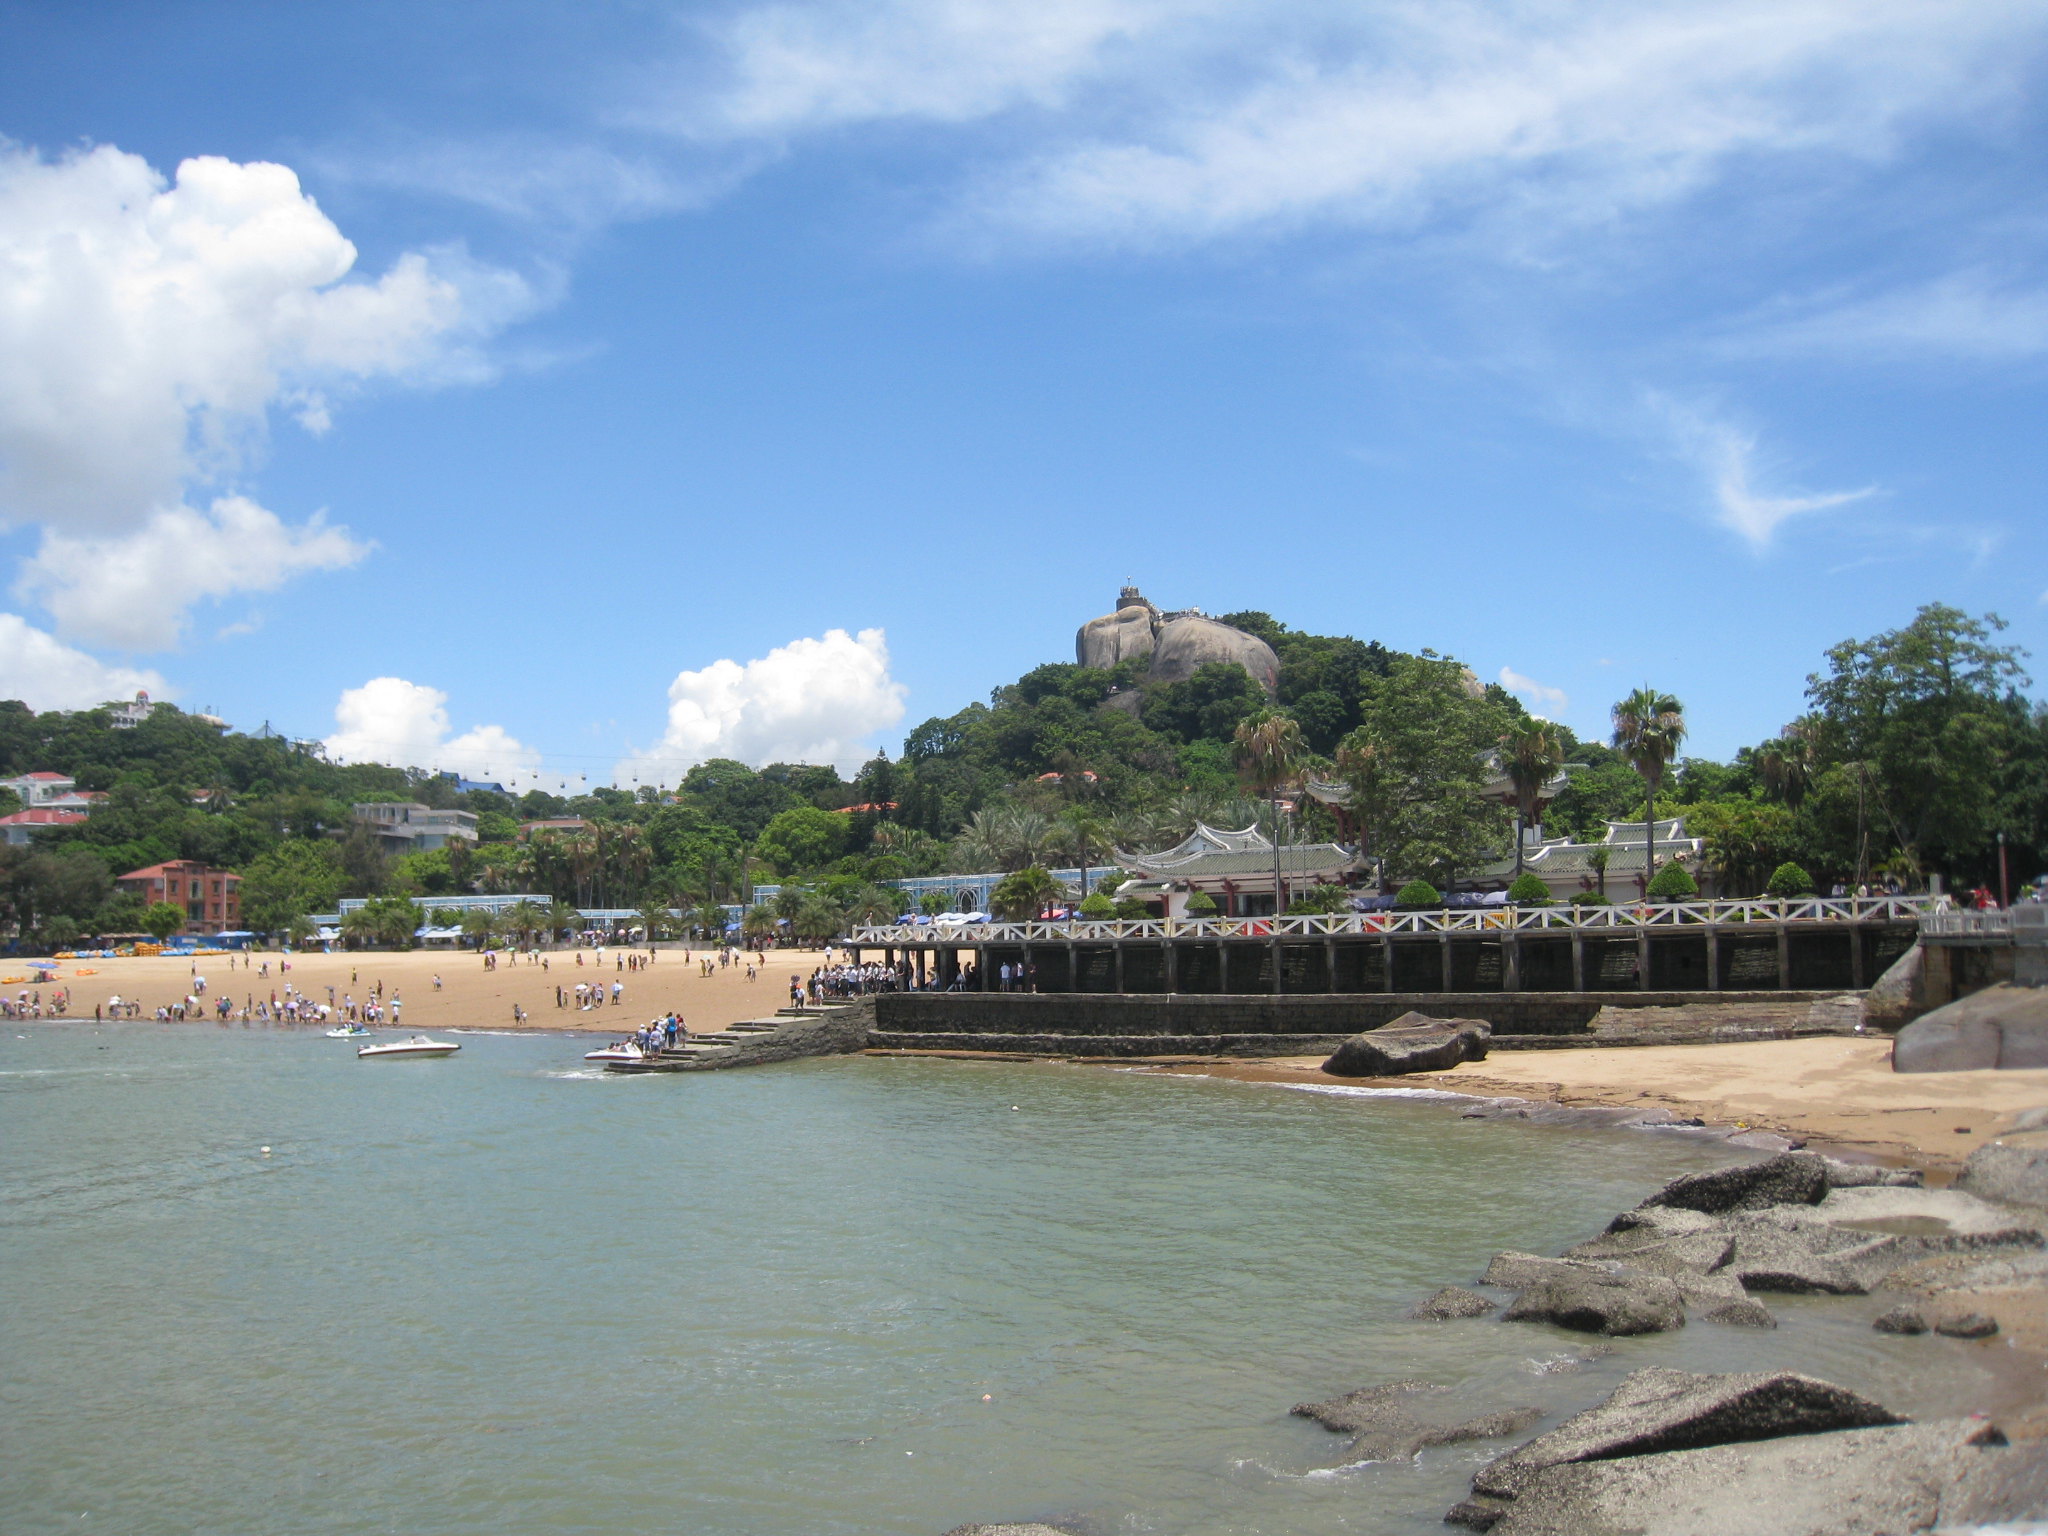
[1097, 907]
[1201, 904]
[1590, 899]
[1529, 891]
[1320, 899]
[1672, 883]
[1788, 879]
[1132, 910]
[1418, 893]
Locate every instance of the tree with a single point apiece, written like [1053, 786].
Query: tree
[802, 838]
[1269, 751]
[1672, 883]
[161, 919]
[818, 919]
[1096, 907]
[1648, 726]
[1200, 904]
[1789, 880]
[1415, 768]
[1933, 711]
[1418, 893]
[1021, 896]
[392, 920]
[1532, 755]
[1529, 891]
[480, 927]
[298, 876]
[654, 920]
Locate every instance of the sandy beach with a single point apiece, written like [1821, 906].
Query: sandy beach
[1836, 1090]
[470, 996]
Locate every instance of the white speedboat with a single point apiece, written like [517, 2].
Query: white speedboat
[624, 1051]
[418, 1045]
[349, 1032]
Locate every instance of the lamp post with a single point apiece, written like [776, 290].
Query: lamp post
[2004, 885]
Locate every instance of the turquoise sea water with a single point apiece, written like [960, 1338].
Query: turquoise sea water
[503, 1294]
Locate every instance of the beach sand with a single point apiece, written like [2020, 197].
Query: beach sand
[470, 996]
[1836, 1090]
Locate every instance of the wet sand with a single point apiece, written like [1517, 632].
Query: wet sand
[1838, 1090]
[469, 996]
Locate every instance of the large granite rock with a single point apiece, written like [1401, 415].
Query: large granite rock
[1665, 1410]
[1616, 1305]
[2013, 1169]
[2002, 1027]
[1179, 644]
[1118, 636]
[1791, 1178]
[1895, 1000]
[1951, 1475]
[1384, 1426]
[1192, 641]
[1414, 1042]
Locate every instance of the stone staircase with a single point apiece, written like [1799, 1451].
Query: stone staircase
[789, 1033]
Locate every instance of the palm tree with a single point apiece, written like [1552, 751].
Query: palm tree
[1786, 765]
[1532, 755]
[1269, 750]
[1020, 897]
[654, 920]
[818, 917]
[1084, 833]
[563, 918]
[875, 904]
[1648, 726]
[481, 927]
[526, 919]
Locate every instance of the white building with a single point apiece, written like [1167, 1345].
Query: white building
[406, 826]
[52, 792]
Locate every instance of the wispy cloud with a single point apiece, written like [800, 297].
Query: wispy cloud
[1976, 313]
[1529, 688]
[1170, 121]
[1727, 455]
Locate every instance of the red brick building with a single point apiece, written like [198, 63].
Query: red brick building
[212, 898]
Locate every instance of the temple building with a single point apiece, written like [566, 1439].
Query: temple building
[1615, 865]
[1234, 869]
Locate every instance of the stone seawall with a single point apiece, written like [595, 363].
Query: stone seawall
[1286, 1025]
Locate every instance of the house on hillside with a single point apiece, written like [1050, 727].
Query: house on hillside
[406, 826]
[52, 791]
[212, 898]
[21, 826]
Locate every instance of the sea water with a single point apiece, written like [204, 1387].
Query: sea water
[506, 1294]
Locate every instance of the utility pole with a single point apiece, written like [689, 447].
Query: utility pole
[2004, 885]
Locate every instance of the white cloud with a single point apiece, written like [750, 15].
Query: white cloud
[1726, 454]
[810, 701]
[45, 673]
[133, 590]
[807, 66]
[147, 328]
[1179, 121]
[1530, 689]
[1976, 313]
[390, 720]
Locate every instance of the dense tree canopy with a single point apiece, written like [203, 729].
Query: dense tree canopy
[1919, 747]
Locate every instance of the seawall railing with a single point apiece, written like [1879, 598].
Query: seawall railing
[1476, 920]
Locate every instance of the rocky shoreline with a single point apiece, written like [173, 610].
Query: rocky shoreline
[1765, 1453]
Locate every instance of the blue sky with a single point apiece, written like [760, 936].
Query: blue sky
[580, 391]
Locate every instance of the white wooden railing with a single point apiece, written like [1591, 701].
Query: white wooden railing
[1563, 919]
[2026, 923]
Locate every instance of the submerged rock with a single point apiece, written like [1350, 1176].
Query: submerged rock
[1665, 1410]
[1747, 1312]
[1791, 1178]
[1845, 1175]
[1414, 1042]
[1901, 1319]
[1966, 1325]
[1615, 1305]
[1033, 1529]
[1954, 1474]
[1383, 1426]
[1452, 1301]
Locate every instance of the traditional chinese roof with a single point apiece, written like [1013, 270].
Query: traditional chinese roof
[1214, 853]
